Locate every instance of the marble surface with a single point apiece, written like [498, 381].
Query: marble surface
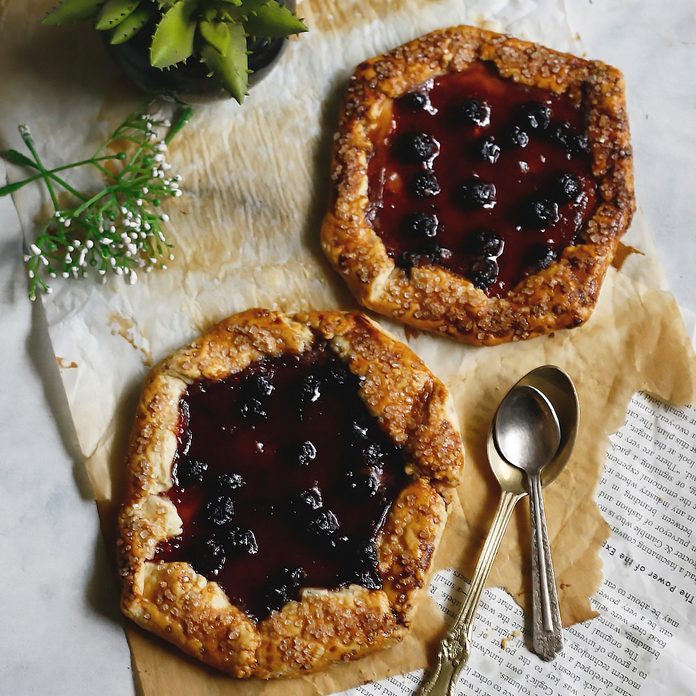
[61, 632]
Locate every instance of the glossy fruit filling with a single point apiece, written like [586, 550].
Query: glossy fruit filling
[484, 176]
[283, 480]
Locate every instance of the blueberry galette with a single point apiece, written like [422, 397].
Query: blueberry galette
[288, 481]
[480, 185]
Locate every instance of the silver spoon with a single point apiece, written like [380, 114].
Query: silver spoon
[528, 435]
[455, 647]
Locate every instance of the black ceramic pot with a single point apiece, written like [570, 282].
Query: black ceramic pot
[189, 82]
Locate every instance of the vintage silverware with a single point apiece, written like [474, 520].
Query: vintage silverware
[455, 647]
[527, 434]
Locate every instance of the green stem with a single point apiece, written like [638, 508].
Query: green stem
[29, 142]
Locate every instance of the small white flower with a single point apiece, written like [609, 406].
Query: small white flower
[164, 217]
[119, 270]
[67, 222]
[145, 190]
[89, 243]
[30, 274]
[133, 278]
[49, 291]
[65, 274]
[35, 250]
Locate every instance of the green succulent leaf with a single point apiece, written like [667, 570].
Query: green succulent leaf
[273, 21]
[14, 157]
[114, 12]
[173, 39]
[217, 34]
[72, 11]
[130, 26]
[232, 68]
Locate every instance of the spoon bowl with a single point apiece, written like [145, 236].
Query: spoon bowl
[526, 429]
[558, 388]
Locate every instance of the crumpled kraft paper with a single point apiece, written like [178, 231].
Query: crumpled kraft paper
[247, 235]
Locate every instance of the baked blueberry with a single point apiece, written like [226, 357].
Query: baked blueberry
[252, 409]
[364, 569]
[490, 150]
[566, 187]
[535, 115]
[307, 501]
[435, 253]
[574, 143]
[189, 471]
[417, 147]
[283, 586]
[407, 260]
[485, 242]
[540, 213]
[477, 193]
[305, 453]
[207, 556]
[517, 137]
[416, 101]
[475, 111]
[426, 184]
[228, 484]
[580, 143]
[541, 257]
[258, 386]
[324, 524]
[310, 389]
[292, 576]
[373, 454]
[484, 272]
[422, 225]
[219, 510]
[238, 540]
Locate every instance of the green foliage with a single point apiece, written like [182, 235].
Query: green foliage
[117, 227]
[173, 39]
[214, 31]
[232, 67]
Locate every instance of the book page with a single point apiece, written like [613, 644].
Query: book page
[647, 614]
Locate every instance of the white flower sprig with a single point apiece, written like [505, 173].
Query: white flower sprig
[119, 228]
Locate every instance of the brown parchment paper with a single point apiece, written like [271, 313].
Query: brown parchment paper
[247, 235]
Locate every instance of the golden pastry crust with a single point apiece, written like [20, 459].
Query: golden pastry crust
[173, 601]
[431, 297]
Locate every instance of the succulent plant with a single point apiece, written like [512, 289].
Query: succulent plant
[212, 31]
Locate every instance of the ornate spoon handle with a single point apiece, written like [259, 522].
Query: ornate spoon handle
[547, 630]
[455, 646]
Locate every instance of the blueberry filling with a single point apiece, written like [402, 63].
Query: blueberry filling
[471, 151]
[291, 499]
